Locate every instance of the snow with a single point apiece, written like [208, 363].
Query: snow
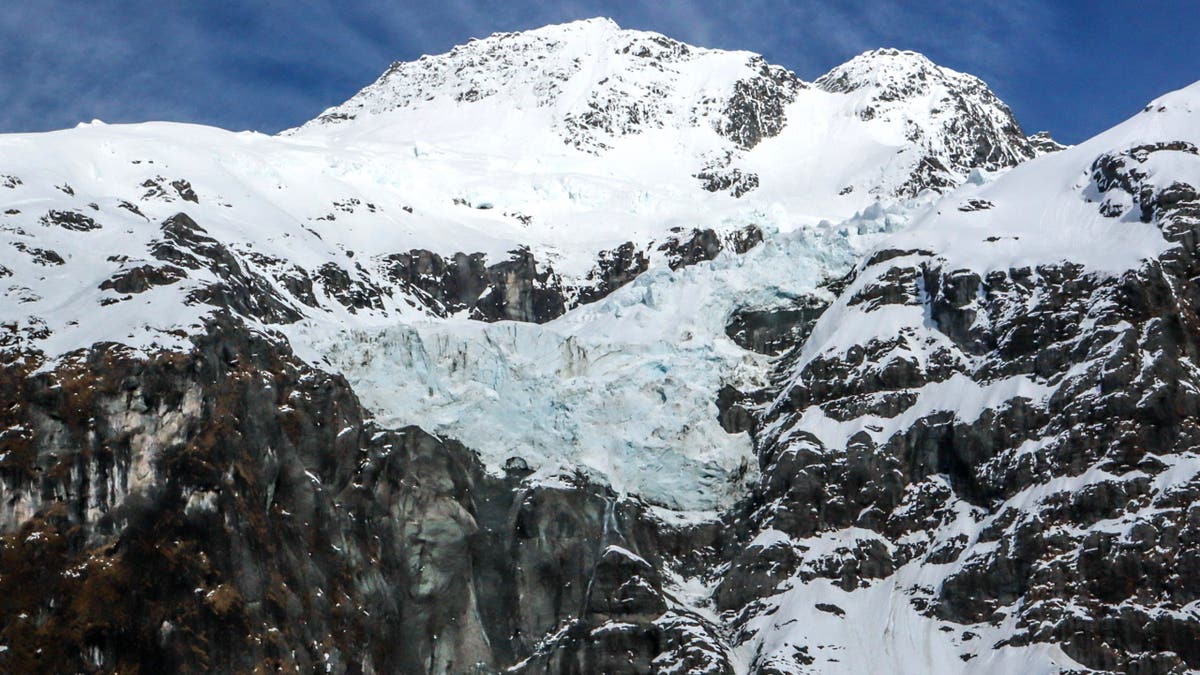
[881, 632]
[624, 387]
[1066, 224]
[411, 170]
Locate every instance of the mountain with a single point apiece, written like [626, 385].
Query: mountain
[729, 118]
[990, 432]
[584, 350]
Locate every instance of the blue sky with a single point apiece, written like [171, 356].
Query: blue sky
[1071, 66]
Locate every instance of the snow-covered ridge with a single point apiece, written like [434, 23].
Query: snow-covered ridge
[729, 118]
[965, 125]
[893, 74]
[589, 82]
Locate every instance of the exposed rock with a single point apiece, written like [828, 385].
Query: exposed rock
[40, 255]
[976, 205]
[230, 507]
[70, 220]
[702, 245]
[184, 189]
[142, 278]
[185, 244]
[756, 109]
[517, 291]
[734, 410]
[771, 330]
[522, 289]
[1043, 144]
[731, 180]
[614, 268]
[1113, 353]
[355, 292]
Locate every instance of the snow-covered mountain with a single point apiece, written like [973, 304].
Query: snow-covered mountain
[584, 350]
[995, 421]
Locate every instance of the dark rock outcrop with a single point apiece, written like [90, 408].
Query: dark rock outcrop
[756, 110]
[235, 287]
[231, 509]
[771, 330]
[142, 278]
[689, 248]
[1043, 143]
[732, 180]
[614, 268]
[522, 289]
[70, 220]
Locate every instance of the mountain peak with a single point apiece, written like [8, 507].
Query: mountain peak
[590, 82]
[971, 127]
[1043, 143]
[896, 72]
[593, 86]
[891, 57]
[599, 26]
[601, 23]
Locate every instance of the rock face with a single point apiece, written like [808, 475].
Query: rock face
[237, 287]
[1044, 144]
[230, 508]
[518, 290]
[142, 533]
[772, 330]
[1029, 432]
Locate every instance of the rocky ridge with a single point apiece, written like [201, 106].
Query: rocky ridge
[630, 82]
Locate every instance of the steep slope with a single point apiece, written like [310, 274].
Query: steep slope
[988, 442]
[964, 125]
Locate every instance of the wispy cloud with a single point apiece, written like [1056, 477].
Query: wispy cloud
[275, 63]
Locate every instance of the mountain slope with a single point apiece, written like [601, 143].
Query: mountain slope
[588, 82]
[965, 126]
[585, 350]
[991, 433]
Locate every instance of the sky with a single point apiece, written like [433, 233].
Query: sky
[1073, 67]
